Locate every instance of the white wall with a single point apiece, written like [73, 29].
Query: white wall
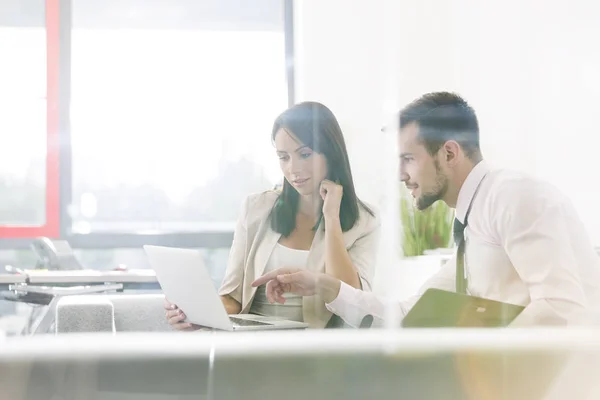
[530, 68]
[340, 61]
[338, 64]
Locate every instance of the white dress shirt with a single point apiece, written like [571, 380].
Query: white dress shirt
[525, 245]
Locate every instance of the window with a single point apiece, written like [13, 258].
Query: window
[163, 111]
[171, 113]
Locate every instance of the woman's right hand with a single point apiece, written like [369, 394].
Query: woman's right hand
[176, 318]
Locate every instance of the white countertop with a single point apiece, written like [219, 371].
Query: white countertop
[10, 279]
[92, 276]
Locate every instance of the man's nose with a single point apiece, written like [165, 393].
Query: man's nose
[403, 175]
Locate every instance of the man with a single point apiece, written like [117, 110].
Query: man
[520, 239]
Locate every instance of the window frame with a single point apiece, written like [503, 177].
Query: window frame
[51, 227]
[59, 161]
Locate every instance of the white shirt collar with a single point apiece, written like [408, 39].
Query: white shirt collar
[468, 189]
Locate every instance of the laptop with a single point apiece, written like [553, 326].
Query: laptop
[442, 309]
[185, 281]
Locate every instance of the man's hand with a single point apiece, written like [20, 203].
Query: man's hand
[287, 280]
[298, 281]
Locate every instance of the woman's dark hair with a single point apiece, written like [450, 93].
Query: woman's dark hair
[315, 126]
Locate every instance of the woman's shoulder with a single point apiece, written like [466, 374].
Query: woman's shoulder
[368, 217]
[262, 199]
[259, 205]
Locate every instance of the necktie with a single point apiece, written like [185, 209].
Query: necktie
[458, 231]
[366, 322]
[459, 239]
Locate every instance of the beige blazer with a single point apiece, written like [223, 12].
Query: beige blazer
[254, 240]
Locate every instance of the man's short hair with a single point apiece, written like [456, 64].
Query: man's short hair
[443, 116]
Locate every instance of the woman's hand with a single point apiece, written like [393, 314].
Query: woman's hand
[176, 318]
[331, 193]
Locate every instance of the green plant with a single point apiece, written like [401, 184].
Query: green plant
[424, 230]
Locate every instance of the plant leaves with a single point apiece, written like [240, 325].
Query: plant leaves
[424, 230]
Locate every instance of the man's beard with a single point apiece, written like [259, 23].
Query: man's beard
[441, 187]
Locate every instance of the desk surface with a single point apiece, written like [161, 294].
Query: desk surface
[9, 279]
[92, 276]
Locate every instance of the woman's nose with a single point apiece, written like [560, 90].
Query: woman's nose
[295, 166]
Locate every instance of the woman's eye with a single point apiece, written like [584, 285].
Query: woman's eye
[283, 158]
[305, 155]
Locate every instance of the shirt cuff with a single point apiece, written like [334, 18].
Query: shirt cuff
[341, 301]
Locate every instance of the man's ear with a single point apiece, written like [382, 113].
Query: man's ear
[452, 152]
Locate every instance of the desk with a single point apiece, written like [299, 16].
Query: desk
[11, 279]
[41, 317]
[91, 276]
[132, 279]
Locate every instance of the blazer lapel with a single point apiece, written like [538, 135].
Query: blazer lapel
[264, 251]
[261, 250]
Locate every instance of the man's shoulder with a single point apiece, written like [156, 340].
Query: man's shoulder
[511, 186]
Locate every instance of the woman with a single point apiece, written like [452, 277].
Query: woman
[316, 221]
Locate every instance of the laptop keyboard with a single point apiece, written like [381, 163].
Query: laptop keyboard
[247, 322]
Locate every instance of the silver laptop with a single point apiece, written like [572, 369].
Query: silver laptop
[186, 282]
